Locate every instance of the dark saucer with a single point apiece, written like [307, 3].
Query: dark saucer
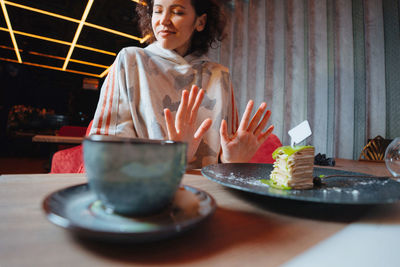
[77, 209]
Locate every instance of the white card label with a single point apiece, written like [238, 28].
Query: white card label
[299, 133]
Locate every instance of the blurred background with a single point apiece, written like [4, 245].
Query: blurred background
[48, 81]
[333, 62]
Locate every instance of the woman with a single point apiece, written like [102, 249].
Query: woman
[145, 94]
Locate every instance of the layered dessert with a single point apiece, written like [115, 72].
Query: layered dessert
[293, 167]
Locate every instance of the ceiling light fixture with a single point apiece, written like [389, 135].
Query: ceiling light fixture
[140, 2]
[60, 42]
[104, 73]
[71, 60]
[60, 58]
[10, 30]
[74, 20]
[55, 68]
[72, 44]
[10, 48]
[51, 67]
[44, 12]
[113, 31]
[144, 39]
[77, 33]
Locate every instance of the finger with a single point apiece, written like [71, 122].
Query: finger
[169, 121]
[203, 128]
[263, 136]
[195, 109]
[223, 131]
[256, 118]
[192, 98]
[246, 116]
[182, 109]
[263, 123]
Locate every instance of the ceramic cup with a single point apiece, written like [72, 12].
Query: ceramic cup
[133, 176]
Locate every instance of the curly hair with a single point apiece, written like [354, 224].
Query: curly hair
[211, 35]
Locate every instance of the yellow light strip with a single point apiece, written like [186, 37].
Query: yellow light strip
[113, 31]
[42, 11]
[9, 59]
[10, 48]
[51, 67]
[37, 36]
[105, 72]
[10, 30]
[77, 33]
[140, 2]
[55, 68]
[75, 20]
[72, 60]
[96, 50]
[60, 42]
[81, 23]
[88, 63]
[144, 39]
[60, 58]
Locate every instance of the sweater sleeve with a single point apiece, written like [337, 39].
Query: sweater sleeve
[113, 116]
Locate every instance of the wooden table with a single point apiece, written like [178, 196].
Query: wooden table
[57, 139]
[244, 231]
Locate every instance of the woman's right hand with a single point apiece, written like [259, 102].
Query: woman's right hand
[182, 128]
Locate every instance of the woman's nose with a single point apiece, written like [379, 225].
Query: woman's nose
[165, 18]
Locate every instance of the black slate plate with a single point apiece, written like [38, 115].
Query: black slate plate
[77, 209]
[335, 190]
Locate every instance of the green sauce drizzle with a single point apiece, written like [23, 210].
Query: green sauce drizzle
[288, 150]
[274, 185]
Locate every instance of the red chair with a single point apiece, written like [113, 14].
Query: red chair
[72, 131]
[69, 160]
[264, 153]
[67, 130]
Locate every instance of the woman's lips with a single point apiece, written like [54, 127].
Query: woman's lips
[165, 33]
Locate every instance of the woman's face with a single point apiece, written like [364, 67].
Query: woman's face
[174, 22]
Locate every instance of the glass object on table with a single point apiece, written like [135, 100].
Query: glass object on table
[392, 158]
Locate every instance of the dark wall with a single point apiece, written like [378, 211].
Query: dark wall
[43, 88]
[39, 87]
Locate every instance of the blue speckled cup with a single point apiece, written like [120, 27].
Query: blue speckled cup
[134, 176]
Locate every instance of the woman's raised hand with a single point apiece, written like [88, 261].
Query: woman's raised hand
[242, 145]
[182, 128]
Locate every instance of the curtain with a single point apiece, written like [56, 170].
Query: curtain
[335, 63]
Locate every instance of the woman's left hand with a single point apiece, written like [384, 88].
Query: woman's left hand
[242, 146]
[183, 127]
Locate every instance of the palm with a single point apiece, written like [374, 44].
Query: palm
[183, 128]
[242, 145]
